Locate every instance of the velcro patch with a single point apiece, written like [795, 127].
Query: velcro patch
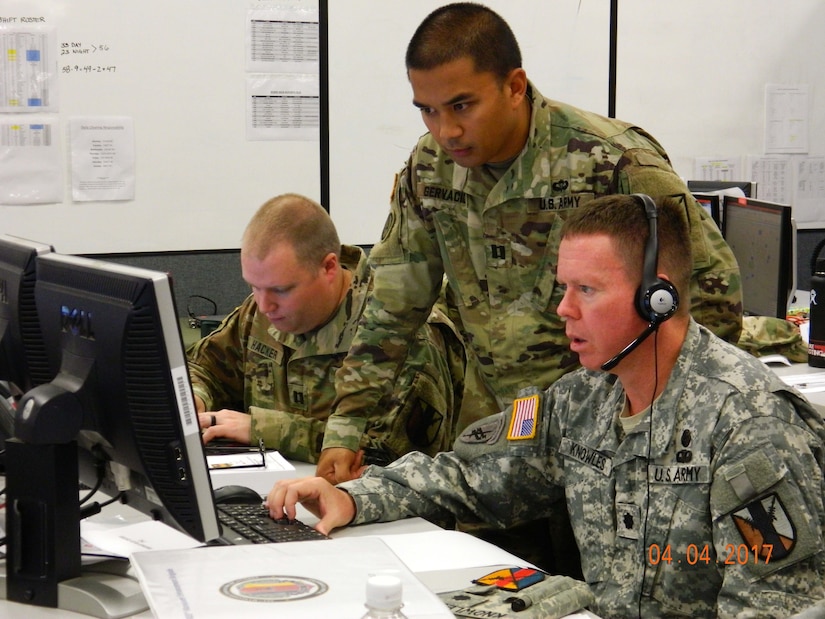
[525, 418]
[765, 525]
[487, 432]
[586, 455]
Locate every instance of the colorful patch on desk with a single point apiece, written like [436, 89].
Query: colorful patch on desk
[274, 588]
[765, 524]
[511, 578]
[525, 418]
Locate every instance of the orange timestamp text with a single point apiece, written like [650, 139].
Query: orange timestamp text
[735, 554]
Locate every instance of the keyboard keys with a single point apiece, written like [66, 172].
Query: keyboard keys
[252, 524]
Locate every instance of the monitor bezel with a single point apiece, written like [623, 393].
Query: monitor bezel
[21, 338]
[715, 202]
[60, 274]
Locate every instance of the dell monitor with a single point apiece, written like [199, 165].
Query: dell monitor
[762, 237]
[120, 403]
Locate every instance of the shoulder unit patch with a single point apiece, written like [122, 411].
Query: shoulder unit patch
[765, 525]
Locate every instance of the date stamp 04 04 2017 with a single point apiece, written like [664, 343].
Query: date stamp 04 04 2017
[735, 554]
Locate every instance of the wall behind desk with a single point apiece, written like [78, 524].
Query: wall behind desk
[692, 73]
[180, 74]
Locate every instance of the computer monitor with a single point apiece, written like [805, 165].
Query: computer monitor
[711, 202]
[23, 361]
[121, 398]
[699, 186]
[762, 236]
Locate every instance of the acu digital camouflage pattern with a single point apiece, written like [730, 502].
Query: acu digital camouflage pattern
[497, 241]
[286, 381]
[552, 598]
[735, 459]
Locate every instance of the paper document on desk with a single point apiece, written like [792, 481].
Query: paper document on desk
[120, 541]
[448, 550]
[805, 383]
[299, 580]
[224, 472]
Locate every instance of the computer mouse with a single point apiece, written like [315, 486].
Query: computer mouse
[236, 494]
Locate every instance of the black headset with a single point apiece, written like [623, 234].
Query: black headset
[657, 299]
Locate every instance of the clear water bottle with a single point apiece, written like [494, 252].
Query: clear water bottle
[384, 597]
[816, 334]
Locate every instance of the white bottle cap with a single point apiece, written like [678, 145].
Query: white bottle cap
[384, 591]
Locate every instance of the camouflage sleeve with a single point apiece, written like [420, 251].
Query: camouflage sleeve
[439, 489]
[716, 290]
[216, 365]
[768, 516]
[295, 436]
[407, 279]
[488, 478]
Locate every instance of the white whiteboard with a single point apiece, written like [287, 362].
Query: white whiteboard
[373, 124]
[181, 76]
[694, 75]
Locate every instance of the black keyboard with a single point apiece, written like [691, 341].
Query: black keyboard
[251, 524]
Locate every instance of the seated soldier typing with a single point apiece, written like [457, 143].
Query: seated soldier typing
[268, 370]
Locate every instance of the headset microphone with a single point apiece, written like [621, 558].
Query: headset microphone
[656, 299]
[614, 361]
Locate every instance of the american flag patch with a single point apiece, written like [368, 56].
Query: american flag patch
[525, 418]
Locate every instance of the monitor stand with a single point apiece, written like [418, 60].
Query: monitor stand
[106, 589]
[43, 560]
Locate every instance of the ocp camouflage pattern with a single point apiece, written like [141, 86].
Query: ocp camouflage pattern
[286, 381]
[497, 242]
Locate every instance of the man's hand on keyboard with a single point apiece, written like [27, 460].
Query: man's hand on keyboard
[335, 508]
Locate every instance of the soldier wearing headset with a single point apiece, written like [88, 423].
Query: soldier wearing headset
[692, 475]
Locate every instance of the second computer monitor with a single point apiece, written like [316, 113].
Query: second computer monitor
[121, 388]
[712, 204]
[700, 186]
[762, 236]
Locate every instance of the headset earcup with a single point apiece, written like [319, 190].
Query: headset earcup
[658, 302]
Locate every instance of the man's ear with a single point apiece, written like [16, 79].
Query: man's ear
[330, 263]
[516, 82]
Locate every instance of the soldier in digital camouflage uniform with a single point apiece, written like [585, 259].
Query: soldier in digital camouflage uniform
[482, 199]
[718, 511]
[255, 378]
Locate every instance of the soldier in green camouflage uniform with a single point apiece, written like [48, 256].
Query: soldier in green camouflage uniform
[716, 511]
[284, 378]
[493, 229]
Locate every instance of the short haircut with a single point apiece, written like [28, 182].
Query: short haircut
[294, 219]
[460, 30]
[624, 219]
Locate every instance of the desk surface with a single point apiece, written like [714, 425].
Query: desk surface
[817, 398]
[438, 581]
